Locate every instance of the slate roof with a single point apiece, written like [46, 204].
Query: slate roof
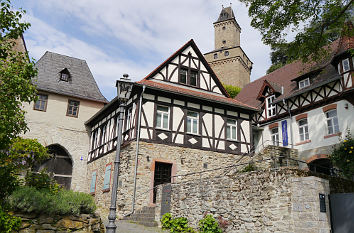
[285, 76]
[81, 84]
[226, 14]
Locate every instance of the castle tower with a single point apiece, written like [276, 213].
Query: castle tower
[228, 60]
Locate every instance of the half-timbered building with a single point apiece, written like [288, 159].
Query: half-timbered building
[305, 106]
[186, 120]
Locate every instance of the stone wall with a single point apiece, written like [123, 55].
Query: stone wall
[261, 201]
[32, 223]
[183, 160]
[276, 156]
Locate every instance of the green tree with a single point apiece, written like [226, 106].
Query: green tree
[232, 90]
[315, 23]
[16, 88]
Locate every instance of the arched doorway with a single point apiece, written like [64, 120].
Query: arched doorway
[59, 166]
[322, 165]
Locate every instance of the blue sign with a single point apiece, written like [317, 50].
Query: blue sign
[284, 129]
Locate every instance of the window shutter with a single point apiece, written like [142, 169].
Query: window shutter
[107, 177]
[93, 182]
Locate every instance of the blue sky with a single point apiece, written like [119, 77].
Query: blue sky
[133, 37]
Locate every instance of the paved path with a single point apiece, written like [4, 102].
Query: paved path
[124, 226]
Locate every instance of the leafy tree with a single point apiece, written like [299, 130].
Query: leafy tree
[232, 90]
[315, 24]
[16, 73]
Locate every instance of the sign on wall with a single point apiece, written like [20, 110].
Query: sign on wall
[284, 127]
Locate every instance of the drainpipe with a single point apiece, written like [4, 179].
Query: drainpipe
[137, 152]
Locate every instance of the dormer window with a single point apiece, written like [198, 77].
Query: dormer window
[64, 75]
[271, 108]
[304, 83]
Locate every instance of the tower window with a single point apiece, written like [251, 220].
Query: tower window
[223, 28]
[215, 55]
[224, 41]
[227, 53]
[73, 108]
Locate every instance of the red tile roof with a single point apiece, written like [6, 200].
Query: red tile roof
[193, 93]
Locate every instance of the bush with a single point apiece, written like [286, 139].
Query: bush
[232, 90]
[250, 167]
[30, 200]
[343, 156]
[175, 224]
[209, 225]
[41, 181]
[8, 223]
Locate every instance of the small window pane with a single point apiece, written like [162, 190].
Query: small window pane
[195, 126]
[107, 177]
[193, 78]
[158, 120]
[162, 108]
[192, 114]
[234, 132]
[189, 125]
[73, 107]
[93, 182]
[41, 103]
[345, 64]
[228, 130]
[165, 121]
[183, 76]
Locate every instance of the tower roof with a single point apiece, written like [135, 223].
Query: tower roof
[226, 14]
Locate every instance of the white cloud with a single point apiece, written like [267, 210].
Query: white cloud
[154, 29]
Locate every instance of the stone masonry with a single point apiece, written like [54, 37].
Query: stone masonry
[183, 160]
[260, 201]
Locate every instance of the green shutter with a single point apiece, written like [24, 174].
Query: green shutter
[93, 182]
[107, 177]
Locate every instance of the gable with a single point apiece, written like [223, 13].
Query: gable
[187, 68]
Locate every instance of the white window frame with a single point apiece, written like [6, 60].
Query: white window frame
[163, 113]
[303, 130]
[230, 127]
[271, 108]
[345, 61]
[275, 136]
[304, 83]
[194, 120]
[334, 128]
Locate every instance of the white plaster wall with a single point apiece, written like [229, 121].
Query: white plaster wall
[245, 125]
[54, 127]
[149, 112]
[178, 115]
[317, 125]
[208, 120]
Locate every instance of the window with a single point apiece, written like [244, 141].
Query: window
[303, 130]
[223, 28]
[226, 53]
[332, 122]
[162, 117]
[271, 108]
[73, 108]
[224, 41]
[193, 78]
[41, 103]
[345, 64]
[215, 55]
[231, 129]
[93, 182]
[107, 177]
[192, 122]
[304, 83]
[64, 75]
[189, 78]
[183, 76]
[275, 136]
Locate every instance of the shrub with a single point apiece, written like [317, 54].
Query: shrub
[343, 156]
[42, 180]
[30, 200]
[232, 90]
[8, 223]
[250, 167]
[209, 225]
[175, 225]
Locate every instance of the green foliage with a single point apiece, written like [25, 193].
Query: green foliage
[30, 200]
[209, 225]
[314, 23]
[175, 225]
[232, 90]
[8, 223]
[9, 182]
[41, 181]
[250, 167]
[343, 156]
